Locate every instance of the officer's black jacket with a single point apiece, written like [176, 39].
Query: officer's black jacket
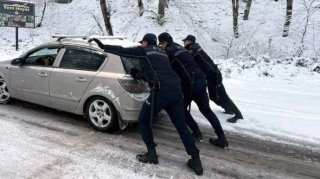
[183, 63]
[152, 59]
[202, 58]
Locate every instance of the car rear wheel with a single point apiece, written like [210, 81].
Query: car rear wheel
[4, 92]
[101, 114]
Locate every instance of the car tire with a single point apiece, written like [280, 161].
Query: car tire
[4, 92]
[101, 114]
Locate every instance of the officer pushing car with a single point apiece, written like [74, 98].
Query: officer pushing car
[194, 88]
[156, 68]
[217, 92]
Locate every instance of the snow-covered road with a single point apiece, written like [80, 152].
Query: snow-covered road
[38, 142]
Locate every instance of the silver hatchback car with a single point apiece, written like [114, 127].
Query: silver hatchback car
[76, 76]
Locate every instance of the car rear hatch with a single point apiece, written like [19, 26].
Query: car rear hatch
[127, 82]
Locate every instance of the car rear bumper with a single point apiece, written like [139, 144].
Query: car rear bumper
[129, 105]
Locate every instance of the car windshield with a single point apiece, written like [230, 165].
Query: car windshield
[129, 63]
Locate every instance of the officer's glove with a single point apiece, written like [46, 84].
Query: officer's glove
[134, 73]
[100, 44]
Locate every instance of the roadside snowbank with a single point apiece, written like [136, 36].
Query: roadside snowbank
[264, 66]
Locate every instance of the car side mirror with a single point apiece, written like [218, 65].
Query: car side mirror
[16, 62]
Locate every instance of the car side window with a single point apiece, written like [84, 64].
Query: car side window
[42, 57]
[82, 60]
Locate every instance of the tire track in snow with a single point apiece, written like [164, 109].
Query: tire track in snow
[305, 115]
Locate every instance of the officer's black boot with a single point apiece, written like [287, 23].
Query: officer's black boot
[150, 157]
[197, 135]
[195, 164]
[235, 110]
[235, 118]
[220, 142]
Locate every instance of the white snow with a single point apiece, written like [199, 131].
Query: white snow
[123, 43]
[105, 90]
[282, 106]
[283, 110]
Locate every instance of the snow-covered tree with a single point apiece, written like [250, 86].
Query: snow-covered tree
[235, 12]
[106, 16]
[288, 18]
[161, 10]
[140, 5]
[247, 10]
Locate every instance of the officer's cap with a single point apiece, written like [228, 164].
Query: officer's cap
[150, 38]
[191, 38]
[164, 37]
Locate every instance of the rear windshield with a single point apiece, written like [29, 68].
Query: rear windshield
[129, 63]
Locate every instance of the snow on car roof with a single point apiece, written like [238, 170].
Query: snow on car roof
[118, 42]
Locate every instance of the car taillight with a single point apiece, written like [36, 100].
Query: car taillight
[132, 86]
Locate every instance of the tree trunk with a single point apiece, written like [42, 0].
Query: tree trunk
[288, 19]
[140, 5]
[44, 10]
[247, 10]
[161, 9]
[106, 16]
[235, 10]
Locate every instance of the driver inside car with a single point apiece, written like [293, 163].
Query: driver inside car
[47, 61]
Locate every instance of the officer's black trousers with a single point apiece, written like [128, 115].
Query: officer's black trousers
[219, 96]
[172, 102]
[200, 97]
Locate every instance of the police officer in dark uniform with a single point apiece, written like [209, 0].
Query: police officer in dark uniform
[168, 96]
[217, 92]
[194, 88]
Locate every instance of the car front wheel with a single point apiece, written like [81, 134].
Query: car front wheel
[4, 93]
[101, 114]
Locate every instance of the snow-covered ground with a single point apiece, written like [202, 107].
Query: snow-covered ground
[38, 142]
[273, 109]
[283, 106]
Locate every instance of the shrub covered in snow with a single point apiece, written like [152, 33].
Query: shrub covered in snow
[265, 66]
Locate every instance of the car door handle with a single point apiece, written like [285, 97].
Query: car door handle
[81, 79]
[43, 74]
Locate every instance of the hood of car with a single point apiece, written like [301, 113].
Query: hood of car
[5, 61]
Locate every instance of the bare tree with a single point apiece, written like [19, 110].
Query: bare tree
[310, 11]
[98, 24]
[228, 47]
[43, 12]
[140, 5]
[161, 10]
[288, 19]
[247, 10]
[235, 12]
[106, 16]
[315, 50]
